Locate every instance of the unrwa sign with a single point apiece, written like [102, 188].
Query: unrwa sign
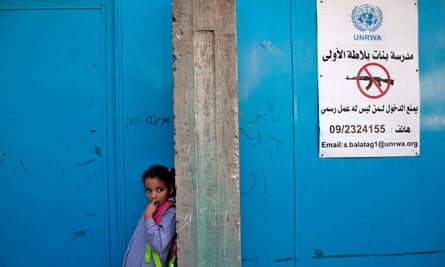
[368, 60]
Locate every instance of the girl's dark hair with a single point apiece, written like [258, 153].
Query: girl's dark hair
[163, 174]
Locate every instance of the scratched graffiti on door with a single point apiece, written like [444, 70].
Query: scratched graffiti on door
[147, 118]
[261, 140]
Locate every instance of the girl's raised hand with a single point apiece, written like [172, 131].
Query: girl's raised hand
[150, 209]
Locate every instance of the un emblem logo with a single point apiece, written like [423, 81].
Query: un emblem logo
[367, 17]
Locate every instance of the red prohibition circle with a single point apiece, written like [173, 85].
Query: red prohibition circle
[382, 91]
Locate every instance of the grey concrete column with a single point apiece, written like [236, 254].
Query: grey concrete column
[206, 132]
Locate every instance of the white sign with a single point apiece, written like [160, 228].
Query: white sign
[369, 97]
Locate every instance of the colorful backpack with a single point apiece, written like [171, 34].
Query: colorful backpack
[172, 262]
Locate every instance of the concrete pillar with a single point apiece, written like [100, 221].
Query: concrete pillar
[206, 132]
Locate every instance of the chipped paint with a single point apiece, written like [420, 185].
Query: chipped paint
[397, 254]
[257, 261]
[79, 234]
[98, 151]
[85, 162]
[433, 123]
[271, 48]
[23, 166]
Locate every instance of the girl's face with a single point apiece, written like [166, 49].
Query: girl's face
[156, 190]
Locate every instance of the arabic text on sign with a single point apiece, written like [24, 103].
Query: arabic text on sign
[389, 109]
[339, 54]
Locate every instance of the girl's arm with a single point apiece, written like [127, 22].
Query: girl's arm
[159, 236]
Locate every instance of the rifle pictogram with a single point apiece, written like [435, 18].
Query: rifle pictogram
[371, 80]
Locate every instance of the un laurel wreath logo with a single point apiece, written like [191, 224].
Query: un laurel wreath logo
[367, 17]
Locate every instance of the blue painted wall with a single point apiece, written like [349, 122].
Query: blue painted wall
[85, 98]
[300, 210]
[147, 98]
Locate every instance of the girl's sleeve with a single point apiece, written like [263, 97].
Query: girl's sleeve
[159, 236]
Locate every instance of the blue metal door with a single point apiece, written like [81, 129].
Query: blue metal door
[86, 104]
[54, 167]
[266, 133]
[300, 210]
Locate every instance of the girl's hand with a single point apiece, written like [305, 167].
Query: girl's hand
[150, 209]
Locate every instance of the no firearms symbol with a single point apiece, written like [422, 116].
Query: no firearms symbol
[373, 80]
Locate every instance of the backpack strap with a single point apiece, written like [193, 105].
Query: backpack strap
[156, 258]
[157, 219]
[172, 257]
[161, 210]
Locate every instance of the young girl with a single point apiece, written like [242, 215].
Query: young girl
[152, 240]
